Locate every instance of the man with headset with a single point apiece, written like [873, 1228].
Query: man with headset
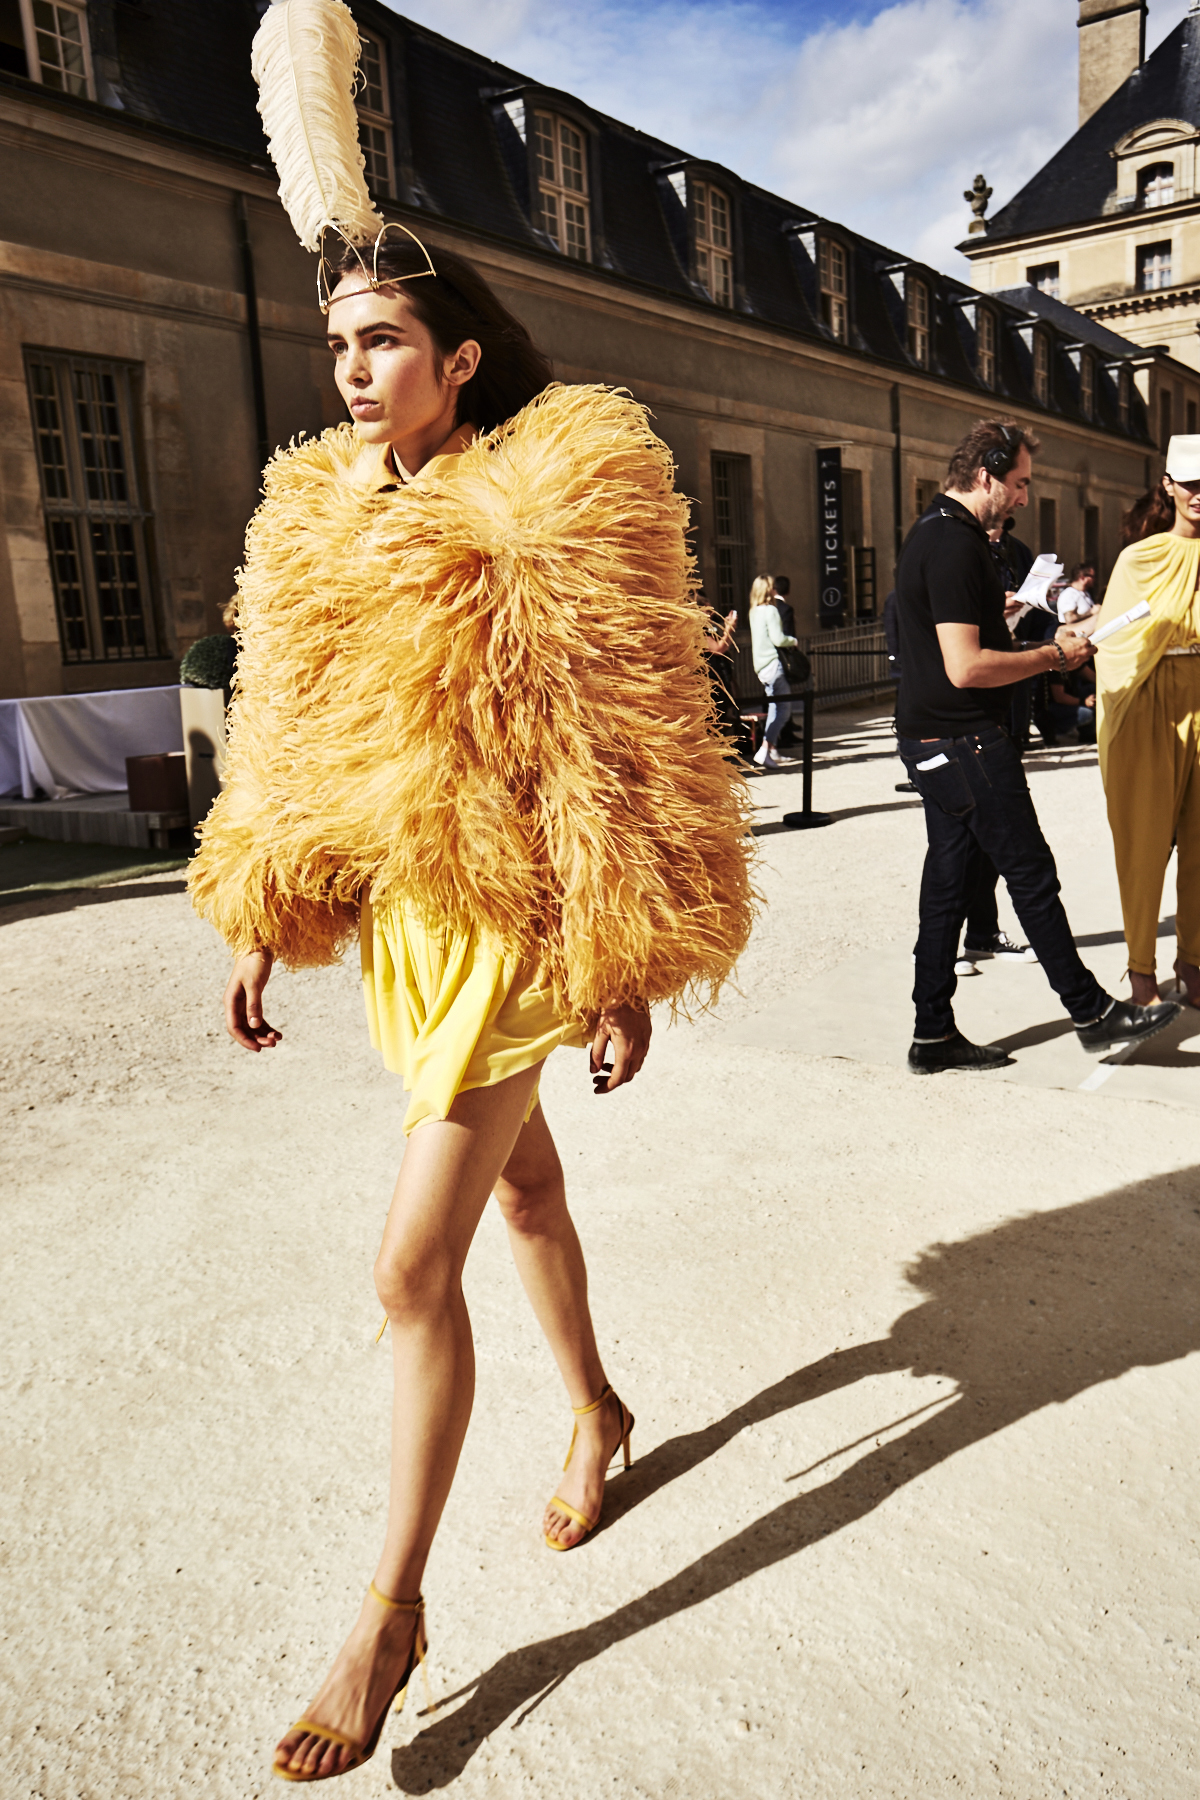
[957, 667]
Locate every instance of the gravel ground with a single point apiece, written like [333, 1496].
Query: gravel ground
[913, 1508]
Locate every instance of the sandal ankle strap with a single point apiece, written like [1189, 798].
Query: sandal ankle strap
[593, 1405]
[409, 1606]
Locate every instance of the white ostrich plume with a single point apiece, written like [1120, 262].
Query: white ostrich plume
[305, 61]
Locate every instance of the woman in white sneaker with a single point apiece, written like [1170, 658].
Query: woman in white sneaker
[767, 639]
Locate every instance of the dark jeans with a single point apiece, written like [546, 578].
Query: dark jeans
[983, 919]
[978, 797]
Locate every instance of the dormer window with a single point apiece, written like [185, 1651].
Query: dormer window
[1156, 185]
[834, 287]
[57, 48]
[985, 346]
[375, 117]
[1087, 385]
[560, 153]
[1153, 267]
[916, 307]
[714, 240]
[1041, 368]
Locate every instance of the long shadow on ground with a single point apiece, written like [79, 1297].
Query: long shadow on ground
[1027, 1315]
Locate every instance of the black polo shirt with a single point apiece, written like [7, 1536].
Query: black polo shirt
[946, 576]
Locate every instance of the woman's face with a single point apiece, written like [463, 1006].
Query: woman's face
[389, 371]
[1186, 496]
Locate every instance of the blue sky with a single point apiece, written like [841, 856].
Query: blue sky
[875, 112]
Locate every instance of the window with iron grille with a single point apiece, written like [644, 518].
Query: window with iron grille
[1156, 185]
[375, 116]
[1041, 368]
[916, 299]
[732, 535]
[57, 47]
[96, 523]
[560, 154]
[1087, 386]
[714, 241]
[831, 275]
[985, 346]
[1153, 267]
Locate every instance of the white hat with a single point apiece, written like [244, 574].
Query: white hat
[1183, 459]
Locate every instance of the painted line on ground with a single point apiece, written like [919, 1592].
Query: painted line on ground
[1099, 1076]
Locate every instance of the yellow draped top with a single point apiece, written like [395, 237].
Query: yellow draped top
[1162, 569]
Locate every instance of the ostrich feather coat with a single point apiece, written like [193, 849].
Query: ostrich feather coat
[483, 694]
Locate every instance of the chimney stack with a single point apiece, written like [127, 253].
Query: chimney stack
[1112, 44]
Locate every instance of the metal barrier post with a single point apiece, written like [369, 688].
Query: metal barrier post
[807, 820]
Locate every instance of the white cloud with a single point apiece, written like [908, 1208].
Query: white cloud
[879, 124]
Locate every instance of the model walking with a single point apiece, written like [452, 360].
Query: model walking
[471, 726]
[1148, 729]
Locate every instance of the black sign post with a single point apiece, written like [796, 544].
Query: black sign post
[831, 544]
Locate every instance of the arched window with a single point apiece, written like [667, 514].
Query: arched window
[916, 305]
[834, 286]
[1156, 185]
[375, 117]
[985, 346]
[714, 240]
[562, 185]
[1041, 368]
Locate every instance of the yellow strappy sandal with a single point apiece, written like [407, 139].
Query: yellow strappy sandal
[627, 1424]
[364, 1752]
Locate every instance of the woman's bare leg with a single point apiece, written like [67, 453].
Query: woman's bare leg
[549, 1259]
[450, 1168]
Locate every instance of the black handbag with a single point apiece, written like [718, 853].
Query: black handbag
[796, 666]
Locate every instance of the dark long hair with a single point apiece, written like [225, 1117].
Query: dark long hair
[1154, 512]
[457, 304]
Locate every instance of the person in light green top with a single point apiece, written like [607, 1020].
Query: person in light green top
[767, 639]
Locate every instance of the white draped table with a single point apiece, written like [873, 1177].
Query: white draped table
[77, 743]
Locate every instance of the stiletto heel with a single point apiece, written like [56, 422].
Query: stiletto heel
[623, 1443]
[364, 1752]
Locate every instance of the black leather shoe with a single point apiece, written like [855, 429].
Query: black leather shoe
[955, 1052]
[1125, 1023]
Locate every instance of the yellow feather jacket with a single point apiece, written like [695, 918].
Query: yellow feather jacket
[484, 695]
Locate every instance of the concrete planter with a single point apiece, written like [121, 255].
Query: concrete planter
[203, 713]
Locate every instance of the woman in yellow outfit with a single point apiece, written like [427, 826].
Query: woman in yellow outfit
[1148, 729]
[472, 727]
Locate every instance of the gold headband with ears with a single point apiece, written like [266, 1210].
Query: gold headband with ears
[327, 278]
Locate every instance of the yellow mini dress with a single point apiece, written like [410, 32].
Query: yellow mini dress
[448, 1010]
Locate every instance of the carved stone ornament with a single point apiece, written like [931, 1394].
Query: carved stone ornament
[978, 194]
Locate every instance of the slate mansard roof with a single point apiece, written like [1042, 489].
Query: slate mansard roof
[1076, 184]
[179, 66]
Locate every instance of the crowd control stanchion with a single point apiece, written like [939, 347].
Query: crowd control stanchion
[807, 819]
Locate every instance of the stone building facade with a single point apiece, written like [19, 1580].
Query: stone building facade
[159, 337]
[1111, 225]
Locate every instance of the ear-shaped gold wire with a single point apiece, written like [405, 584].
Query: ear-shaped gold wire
[327, 278]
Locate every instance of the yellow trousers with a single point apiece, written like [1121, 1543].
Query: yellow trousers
[1153, 792]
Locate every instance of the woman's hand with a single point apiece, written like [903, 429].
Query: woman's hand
[627, 1029]
[243, 1003]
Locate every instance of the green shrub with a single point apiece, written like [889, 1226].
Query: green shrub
[209, 663]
